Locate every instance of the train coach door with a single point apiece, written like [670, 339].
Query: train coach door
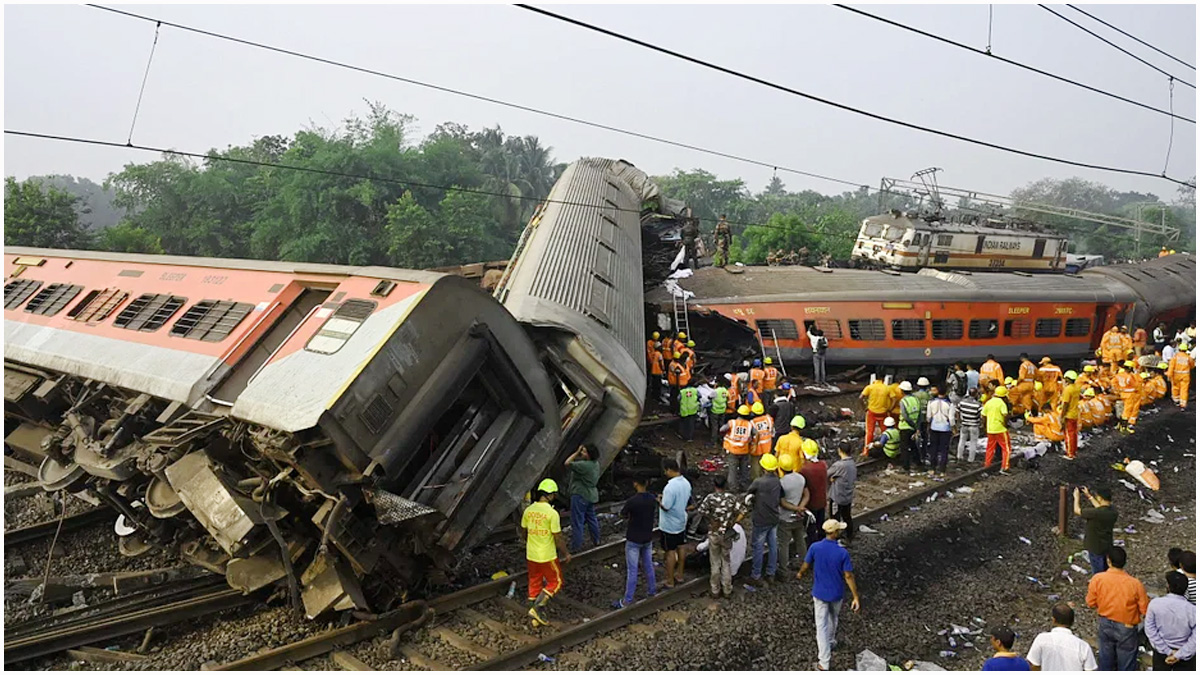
[1039, 248]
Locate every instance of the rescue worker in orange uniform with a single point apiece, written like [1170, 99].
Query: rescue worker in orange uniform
[1068, 410]
[1164, 252]
[689, 355]
[657, 371]
[770, 378]
[1026, 377]
[764, 437]
[877, 399]
[990, 370]
[667, 348]
[652, 345]
[1129, 388]
[739, 432]
[1090, 411]
[680, 342]
[732, 391]
[1050, 376]
[1113, 346]
[1047, 427]
[1139, 341]
[1179, 371]
[1157, 386]
[678, 377]
[757, 374]
[1147, 388]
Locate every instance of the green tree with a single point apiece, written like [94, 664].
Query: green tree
[38, 215]
[126, 237]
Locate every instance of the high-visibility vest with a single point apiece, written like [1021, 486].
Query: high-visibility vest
[689, 357]
[737, 439]
[720, 399]
[677, 374]
[689, 402]
[756, 375]
[891, 442]
[770, 378]
[910, 412]
[764, 431]
[668, 350]
[656, 364]
[651, 348]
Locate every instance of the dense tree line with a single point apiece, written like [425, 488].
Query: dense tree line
[370, 193]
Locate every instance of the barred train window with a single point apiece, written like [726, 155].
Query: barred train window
[947, 329]
[831, 327]
[210, 320]
[784, 329]
[983, 329]
[945, 239]
[908, 329]
[1048, 328]
[149, 312]
[18, 291]
[97, 305]
[1078, 327]
[338, 328]
[867, 330]
[1017, 328]
[51, 299]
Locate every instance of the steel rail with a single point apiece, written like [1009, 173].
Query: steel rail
[22, 535]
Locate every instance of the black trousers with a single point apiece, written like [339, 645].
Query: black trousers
[939, 449]
[908, 442]
[842, 513]
[687, 427]
[815, 533]
[1160, 663]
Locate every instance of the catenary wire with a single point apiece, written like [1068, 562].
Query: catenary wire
[1011, 62]
[447, 188]
[1131, 37]
[145, 77]
[477, 97]
[1115, 46]
[835, 104]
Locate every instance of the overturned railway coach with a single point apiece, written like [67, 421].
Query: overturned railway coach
[936, 317]
[366, 421]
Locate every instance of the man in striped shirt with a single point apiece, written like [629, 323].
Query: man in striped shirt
[968, 424]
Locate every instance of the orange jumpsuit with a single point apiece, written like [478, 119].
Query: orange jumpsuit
[1179, 370]
[1139, 341]
[1026, 375]
[1125, 385]
[989, 371]
[770, 378]
[1047, 427]
[1050, 376]
[656, 363]
[1112, 348]
[1156, 388]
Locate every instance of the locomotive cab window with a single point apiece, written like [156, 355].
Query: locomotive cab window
[983, 329]
[210, 320]
[867, 329]
[149, 312]
[1079, 327]
[947, 329]
[1048, 328]
[782, 329]
[18, 291]
[908, 329]
[51, 299]
[338, 328]
[1017, 328]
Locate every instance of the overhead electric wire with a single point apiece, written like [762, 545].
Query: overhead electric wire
[477, 97]
[1116, 46]
[447, 188]
[840, 106]
[1132, 37]
[1011, 62]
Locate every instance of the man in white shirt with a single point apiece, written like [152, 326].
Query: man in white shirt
[1169, 350]
[1060, 649]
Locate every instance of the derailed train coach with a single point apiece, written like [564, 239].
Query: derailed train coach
[346, 431]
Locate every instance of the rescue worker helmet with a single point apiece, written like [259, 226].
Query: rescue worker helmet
[1037, 386]
[786, 462]
[906, 386]
[1145, 375]
[767, 360]
[1001, 391]
[1071, 375]
[691, 344]
[1162, 366]
[757, 408]
[923, 382]
[1127, 364]
[682, 335]
[1045, 360]
[1089, 368]
[889, 422]
[548, 486]
[811, 450]
[677, 355]
[768, 462]
[798, 422]
[743, 410]
[654, 335]
[785, 386]
[1008, 381]
[1089, 392]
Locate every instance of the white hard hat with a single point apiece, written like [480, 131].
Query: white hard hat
[889, 422]
[906, 386]
[923, 382]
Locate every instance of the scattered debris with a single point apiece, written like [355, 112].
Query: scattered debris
[869, 660]
[867, 529]
[965, 489]
[1024, 540]
[1079, 569]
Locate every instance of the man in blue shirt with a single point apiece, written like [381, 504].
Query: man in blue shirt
[1005, 658]
[832, 572]
[1171, 627]
[672, 521]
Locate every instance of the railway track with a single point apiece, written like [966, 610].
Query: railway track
[485, 608]
[47, 528]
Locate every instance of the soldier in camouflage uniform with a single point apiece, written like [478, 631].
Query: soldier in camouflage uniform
[722, 238]
[723, 511]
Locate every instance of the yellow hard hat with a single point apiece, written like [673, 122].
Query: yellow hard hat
[1008, 381]
[1001, 391]
[810, 448]
[691, 344]
[1045, 359]
[1089, 392]
[1037, 386]
[786, 462]
[1071, 375]
[768, 462]
[798, 422]
[1127, 364]
[744, 410]
[1089, 368]
[1098, 349]
[654, 335]
[767, 360]
[757, 408]
[548, 486]
[682, 335]
[1162, 366]
[677, 355]
[1145, 375]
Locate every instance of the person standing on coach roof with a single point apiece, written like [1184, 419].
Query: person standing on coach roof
[542, 534]
[585, 475]
[832, 573]
[1121, 602]
[1101, 518]
[672, 521]
[638, 513]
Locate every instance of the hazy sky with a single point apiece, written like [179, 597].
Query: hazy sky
[75, 70]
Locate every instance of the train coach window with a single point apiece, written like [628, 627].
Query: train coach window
[210, 320]
[97, 305]
[17, 292]
[945, 239]
[338, 328]
[947, 329]
[1078, 327]
[1048, 328]
[1017, 328]
[867, 329]
[831, 327]
[908, 329]
[983, 329]
[783, 329]
[149, 312]
[51, 299]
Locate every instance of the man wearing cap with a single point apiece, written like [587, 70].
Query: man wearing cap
[910, 421]
[770, 376]
[739, 434]
[878, 401]
[791, 444]
[672, 521]
[767, 492]
[542, 533]
[924, 396]
[764, 437]
[1068, 409]
[995, 411]
[832, 573]
[756, 377]
[793, 516]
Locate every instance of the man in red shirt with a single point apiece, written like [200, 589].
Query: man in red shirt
[816, 478]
